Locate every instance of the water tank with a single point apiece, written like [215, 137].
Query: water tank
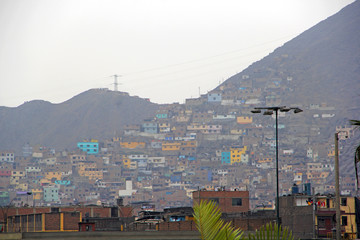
[294, 189]
[120, 201]
[307, 189]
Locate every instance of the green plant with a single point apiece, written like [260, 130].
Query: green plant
[271, 231]
[356, 123]
[207, 216]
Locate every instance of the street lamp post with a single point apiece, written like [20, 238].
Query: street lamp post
[270, 111]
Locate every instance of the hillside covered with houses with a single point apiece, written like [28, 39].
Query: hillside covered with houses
[103, 145]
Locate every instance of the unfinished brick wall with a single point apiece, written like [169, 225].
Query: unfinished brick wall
[225, 199]
[177, 226]
[52, 221]
[71, 221]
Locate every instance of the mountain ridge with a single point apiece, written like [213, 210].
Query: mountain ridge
[41, 122]
[320, 66]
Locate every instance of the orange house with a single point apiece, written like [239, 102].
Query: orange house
[244, 120]
[171, 146]
[132, 145]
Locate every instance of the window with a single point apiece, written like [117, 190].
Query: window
[321, 222]
[343, 201]
[344, 221]
[237, 202]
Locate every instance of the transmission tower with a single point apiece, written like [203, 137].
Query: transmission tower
[116, 82]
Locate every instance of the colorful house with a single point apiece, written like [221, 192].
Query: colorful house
[244, 120]
[171, 146]
[236, 153]
[53, 175]
[132, 145]
[89, 147]
[51, 194]
[225, 158]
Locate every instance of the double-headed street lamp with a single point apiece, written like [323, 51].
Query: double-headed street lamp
[270, 111]
[337, 184]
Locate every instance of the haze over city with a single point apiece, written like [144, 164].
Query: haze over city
[164, 50]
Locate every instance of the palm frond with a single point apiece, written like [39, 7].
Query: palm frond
[270, 232]
[207, 216]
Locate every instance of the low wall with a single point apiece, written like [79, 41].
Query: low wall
[10, 236]
[178, 235]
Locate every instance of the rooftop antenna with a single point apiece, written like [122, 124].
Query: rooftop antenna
[116, 81]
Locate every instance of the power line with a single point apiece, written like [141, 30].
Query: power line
[205, 58]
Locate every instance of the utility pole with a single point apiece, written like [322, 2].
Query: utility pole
[314, 212]
[337, 188]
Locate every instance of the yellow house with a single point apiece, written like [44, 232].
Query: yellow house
[164, 127]
[197, 127]
[126, 162]
[82, 166]
[244, 120]
[298, 177]
[235, 154]
[90, 170]
[331, 153]
[189, 144]
[37, 194]
[325, 222]
[45, 181]
[237, 131]
[265, 160]
[23, 186]
[132, 145]
[51, 175]
[16, 176]
[171, 146]
[93, 173]
[19, 174]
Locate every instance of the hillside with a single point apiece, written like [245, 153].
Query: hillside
[320, 67]
[96, 113]
[323, 64]
[318, 71]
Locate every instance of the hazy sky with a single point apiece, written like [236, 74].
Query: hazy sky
[165, 50]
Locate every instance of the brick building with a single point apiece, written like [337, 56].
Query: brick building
[44, 222]
[229, 201]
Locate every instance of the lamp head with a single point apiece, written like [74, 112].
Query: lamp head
[256, 111]
[268, 112]
[297, 110]
[284, 109]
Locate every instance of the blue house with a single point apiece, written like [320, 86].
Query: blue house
[89, 147]
[225, 158]
[209, 175]
[161, 116]
[175, 178]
